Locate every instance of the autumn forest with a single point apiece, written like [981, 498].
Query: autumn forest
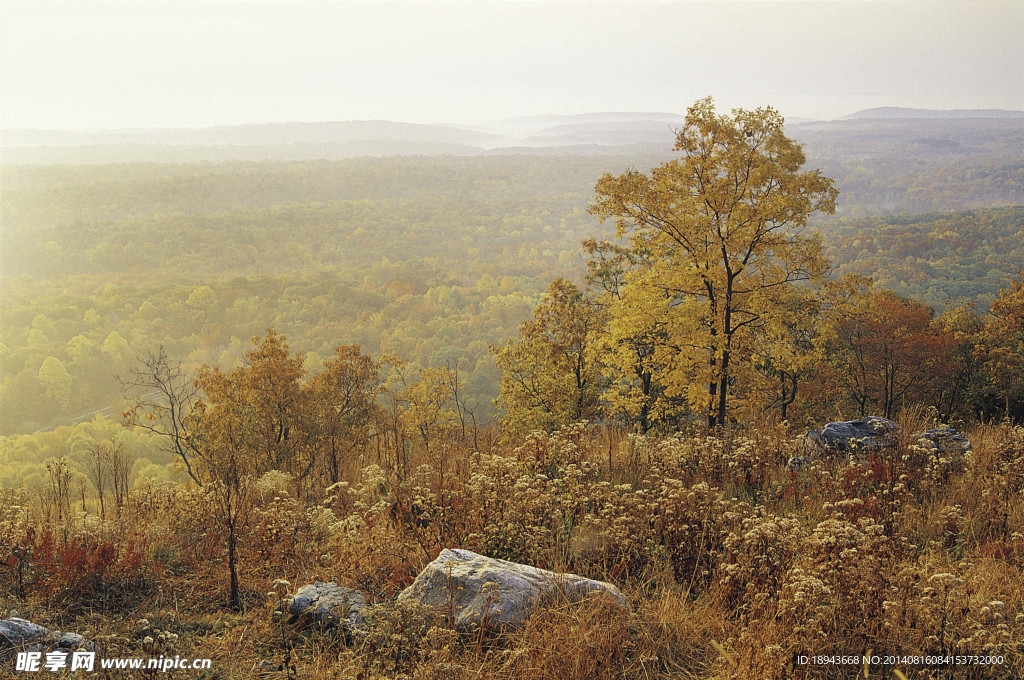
[217, 373]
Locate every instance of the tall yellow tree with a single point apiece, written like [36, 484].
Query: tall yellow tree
[721, 233]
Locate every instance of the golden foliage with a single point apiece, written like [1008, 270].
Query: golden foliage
[717, 237]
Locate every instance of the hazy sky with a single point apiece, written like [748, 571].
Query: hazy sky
[151, 63]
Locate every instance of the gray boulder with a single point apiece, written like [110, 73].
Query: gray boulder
[945, 439]
[329, 604]
[19, 635]
[19, 632]
[495, 594]
[871, 432]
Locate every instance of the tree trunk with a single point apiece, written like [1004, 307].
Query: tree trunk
[712, 391]
[723, 388]
[236, 600]
[788, 396]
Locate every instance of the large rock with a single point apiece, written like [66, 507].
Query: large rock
[19, 635]
[867, 433]
[495, 594]
[329, 604]
[944, 439]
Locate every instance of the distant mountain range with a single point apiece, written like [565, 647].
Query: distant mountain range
[255, 134]
[898, 112]
[611, 132]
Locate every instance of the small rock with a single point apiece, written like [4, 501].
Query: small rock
[797, 463]
[265, 668]
[945, 439]
[329, 604]
[69, 640]
[20, 635]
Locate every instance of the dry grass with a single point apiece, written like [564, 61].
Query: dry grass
[735, 567]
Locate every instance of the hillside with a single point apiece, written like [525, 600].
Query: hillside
[950, 135]
[367, 251]
[942, 259]
[436, 258]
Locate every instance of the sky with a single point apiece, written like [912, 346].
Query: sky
[85, 64]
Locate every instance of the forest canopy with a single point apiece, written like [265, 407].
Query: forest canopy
[435, 259]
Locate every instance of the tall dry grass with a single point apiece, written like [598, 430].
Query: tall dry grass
[736, 567]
